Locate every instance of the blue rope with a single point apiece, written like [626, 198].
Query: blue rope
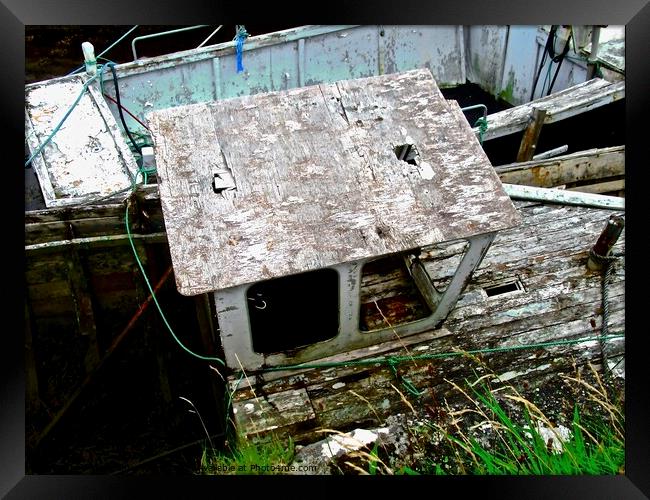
[239, 46]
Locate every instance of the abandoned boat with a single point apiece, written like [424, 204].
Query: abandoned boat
[419, 250]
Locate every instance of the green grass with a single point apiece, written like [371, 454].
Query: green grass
[594, 446]
[496, 431]
[266, 455]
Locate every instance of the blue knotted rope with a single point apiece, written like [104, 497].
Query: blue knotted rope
[240, 37]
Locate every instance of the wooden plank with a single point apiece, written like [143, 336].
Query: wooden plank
[268, 413]
[55, 231]
[562, 196]
[152, 324]
[601, 187]
[83, 300]
[308, 375]
[147, 196]
[91, 376]
[531, 135]
[559, 106]
[46, 269]
[581, 166]
[93, 242]
[325, 170]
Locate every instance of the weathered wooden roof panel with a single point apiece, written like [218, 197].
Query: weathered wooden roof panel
[317, 180]
[88, 157]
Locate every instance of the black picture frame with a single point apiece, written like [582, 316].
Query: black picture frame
[15, 14]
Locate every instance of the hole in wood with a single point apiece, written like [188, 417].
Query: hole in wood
[222, 182]
[512, 285]
[294, 311]
[408, 153]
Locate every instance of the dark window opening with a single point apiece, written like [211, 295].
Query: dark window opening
[389, 297]
[294, 311]
[407, 153]
[510, 286]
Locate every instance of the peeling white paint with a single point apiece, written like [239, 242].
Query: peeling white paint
[338, 385]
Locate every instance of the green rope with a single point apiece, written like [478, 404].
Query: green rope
[106, 49]
[153, 295]
[482, 125]
[408, 385]
[393, 361]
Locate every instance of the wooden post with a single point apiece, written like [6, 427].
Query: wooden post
[531, 135]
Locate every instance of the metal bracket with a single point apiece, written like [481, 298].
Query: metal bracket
[423, 281]
[232, 311]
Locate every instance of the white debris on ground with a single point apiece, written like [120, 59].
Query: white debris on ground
[340, 444]
[556, 436]
[321, 457]
[396, 440]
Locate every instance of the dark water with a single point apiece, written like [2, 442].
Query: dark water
[126, 416]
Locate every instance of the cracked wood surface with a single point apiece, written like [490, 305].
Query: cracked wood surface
[317, 179]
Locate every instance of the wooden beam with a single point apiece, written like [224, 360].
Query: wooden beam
[575, 167]
[88, 211]
[94, 242]
[564, 197]
[531, 135]
[564, 104]
[601, 187]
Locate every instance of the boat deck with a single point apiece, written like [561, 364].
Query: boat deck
[553, 298]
